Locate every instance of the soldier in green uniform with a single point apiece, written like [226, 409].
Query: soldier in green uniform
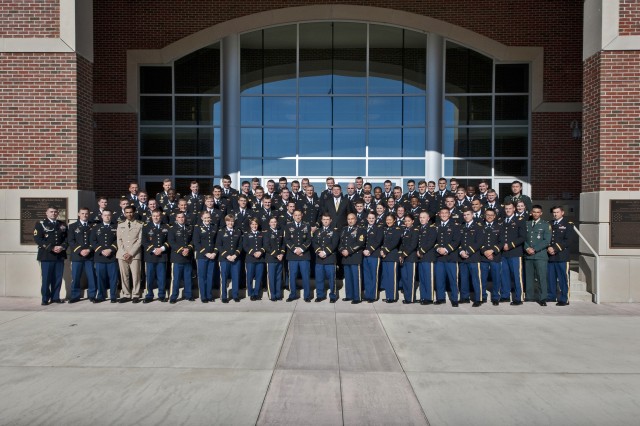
[536, 257]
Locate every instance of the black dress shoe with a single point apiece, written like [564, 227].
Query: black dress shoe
[291, 299]
[145, 301]
[332, 301]
[98, 300]
[465, 301]
[562, 303]
[273, 299]
[391, 301]
[76, 300]
[307, 299]
[191, 299]
[236, 299]
[136, 300]
[454, 304]
[406, 302]
[426, 302]
[163, 299]
[495, 303]
[355, 302]
[439, 302]
[476, 304]
[346, 299]
[320, 299]
[370, 300]
[542, 303]
[173, 301]
[505, 299]
[57, 301]
[225, 300]
[114, 301]
[124, 300]
[205, 300]
[252, 298]
[92, 299]
[516, 303]
[44, 304]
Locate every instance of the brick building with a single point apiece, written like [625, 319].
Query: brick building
[99, 93]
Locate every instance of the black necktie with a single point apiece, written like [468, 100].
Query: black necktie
[129, 223]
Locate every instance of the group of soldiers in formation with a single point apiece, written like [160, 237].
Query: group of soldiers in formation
[421, 243]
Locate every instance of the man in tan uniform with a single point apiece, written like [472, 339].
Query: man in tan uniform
[129, 255]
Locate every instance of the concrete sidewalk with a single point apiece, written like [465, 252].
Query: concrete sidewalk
[317, 363]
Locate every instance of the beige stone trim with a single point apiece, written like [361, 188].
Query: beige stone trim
[602, 28]
[499, 51]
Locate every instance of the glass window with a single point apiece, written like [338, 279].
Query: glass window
[385, 168]
[194, 142]
[199, 72]
[250, 142]
[385, 111]
[467, 142]
[251, 167]
[251, 111]
[413, 142]
[515, 168]
[413, 167]
[467, 71]
[512, 110]
[156, 167]
[280, 111]
[512, 142]
[512, 78]
[467, 110]
[156, 142]
[414, 62]
[280, 60]
[155, 80]
[279, 143]
[385, 143]
[316, 58]
[315, 142]
[349, 58]
[385, 59]
[349, 168]
[349, 111]
[315, 168]
[197, 110]
[315, 111]
[155, 110]
[349, 143]
[279, 167]
[251, 63]
[193, 167]
[414, 111]
[467, 167]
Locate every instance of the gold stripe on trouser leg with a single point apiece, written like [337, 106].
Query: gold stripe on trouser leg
[268, 282]
[520, 273]
[171, 283]
[480, 282]
[335, 284]
[375, 296]
[568, 282]
[246, 280]
[413, 282]
[223, 285]
[395, 275]
[359, 284]
[457, 280]
[433, 287]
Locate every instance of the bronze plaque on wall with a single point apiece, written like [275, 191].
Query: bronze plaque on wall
[33, 210]
[624, 224]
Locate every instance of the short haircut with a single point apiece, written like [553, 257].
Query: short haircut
[536, 206]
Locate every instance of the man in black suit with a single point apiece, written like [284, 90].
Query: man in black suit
[337, 207]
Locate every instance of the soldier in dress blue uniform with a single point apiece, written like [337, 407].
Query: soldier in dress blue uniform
[492, 203]
[155, 245]
[219, 203]
[286, 217]
[515, 234]
[96, 216]
[264, 213]
[229, 249]
[142, 207]
[163, 197]
[170, 205]
[442, 193]
[104, 242]
[477, 210]
[275, 252]
[563, 235]
[389, 254]
[253, 246]
[51, 237]
[195, 201]
[361, 214]
[469, 263]
[371, 258]
[325, 245]
[78, 239]
[352, 242]
[449, 237]
[180, 240]
[427, 238]
[204, 244]
[216, 218]
[242, 214]
[310, 206]
[297, 237]
[491, 261]
[408, 259]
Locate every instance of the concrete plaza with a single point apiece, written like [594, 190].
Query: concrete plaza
[318, 363]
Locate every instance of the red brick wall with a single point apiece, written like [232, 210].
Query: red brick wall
[85, 158]
[591, 125]
[29, 18]
[115, 152]
[38, 106]
[629, 17]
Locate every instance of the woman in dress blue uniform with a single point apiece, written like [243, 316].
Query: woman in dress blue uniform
[392, 238]
[273, 240]
[252, 244]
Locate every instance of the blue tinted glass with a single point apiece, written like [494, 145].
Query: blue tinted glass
[279, 143]
[385, 168]
[413, 142]
[251, 167]
[385, 59]
[315, 168]
[315, 142]
[217, 141]
[415, 111]
[251, 142]
[280, 111]
[413, 167]
[315, 111]
[349, 58]
[348, 111]
[385, 111]
[217, 111]
[280, 60]
[385, 143]
[349, 168]
[251, 111]
[316, 57]
[315, 84]
[280, 167]
[349, 143]
[216, 166]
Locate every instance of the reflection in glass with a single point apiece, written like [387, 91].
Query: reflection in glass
[194, 167]
[251, 167]
[467, 110]
[197, 110]
[413, 142]
[467, 71]
[385, 111]
[199, 72]
[467, 142]
[414, 111]
[251, 63]
[515, 168]
[315, 142]
[280, 60]
[349, 143]
[316, 58]
[512, 142]
[415, 62]
[279, 167]
[315, 111]
[413, 167]
[385, 143]
[155, 110]
[279, 142]
[349, 58]
[156, 167]
[512, 109]
[349, 168]
[251, 142]
[251, 111]
[279, 111]
[155, 142]
[349, 111]
[315, 168]
[467, 167]
[385, 168]
[155, 80]
[385, 59]
[194, 142]
[512, 78]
